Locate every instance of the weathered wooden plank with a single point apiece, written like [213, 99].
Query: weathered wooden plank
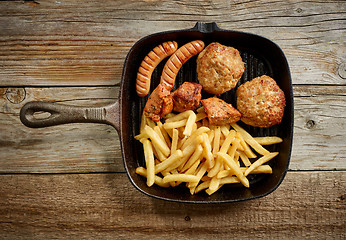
[65, 148]
[319, 119]
[49, 44]
[318, 134]
[107, 206]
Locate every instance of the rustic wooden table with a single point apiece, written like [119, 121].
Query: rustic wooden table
[68, 181]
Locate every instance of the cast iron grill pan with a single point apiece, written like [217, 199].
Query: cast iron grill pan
[261, 57]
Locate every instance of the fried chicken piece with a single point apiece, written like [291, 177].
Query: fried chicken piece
[219, 68]
[187, 97]
[219, 112]
[159, 103]
[261, 102]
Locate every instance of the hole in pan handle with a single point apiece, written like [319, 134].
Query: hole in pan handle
[62, 114]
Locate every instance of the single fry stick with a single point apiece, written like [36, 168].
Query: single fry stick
[164, 133]
[211, 134]
[207, 151]
[149, 162]
[143, 122]
[225, 130]
[236, 157]
[229, 180]
[224, 173]
[245, 159]
[260, 169]
[210, 192]
[235, 168]
[228, 141]
[260, 161]
[233, 148]
[240, 146]
[180, 177]
[176, 124]
[250, 140]
[175, 138]
[268, 140]
[189, 123]
[216, 142]
[159, 133]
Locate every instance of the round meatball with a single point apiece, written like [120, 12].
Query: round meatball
[261, 102]
[219, 68]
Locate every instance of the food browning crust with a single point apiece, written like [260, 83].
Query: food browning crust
[219, 68]
[219, 112]
[187, 97]
[261, 102]
[159, 103]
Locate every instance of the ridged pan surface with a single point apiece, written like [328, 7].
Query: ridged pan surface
[261, 56]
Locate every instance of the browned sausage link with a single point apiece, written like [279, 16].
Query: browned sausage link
[149, 63]
[176, 61]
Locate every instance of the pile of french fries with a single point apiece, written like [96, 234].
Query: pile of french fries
[184, 148]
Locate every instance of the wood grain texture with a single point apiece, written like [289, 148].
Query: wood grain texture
[64, 148]
[319, 129]
[106, 206]
[48, 43]
[68, 181]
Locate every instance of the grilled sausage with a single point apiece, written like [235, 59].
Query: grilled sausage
[175, 62]
[149, 63]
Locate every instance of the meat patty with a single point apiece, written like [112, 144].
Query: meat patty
[219, 68]
[187, 97]
[159, 103]
[261, 102]
[219, 112]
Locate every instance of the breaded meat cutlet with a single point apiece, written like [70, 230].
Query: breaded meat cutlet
[261, 102]
[219, 68]
[219, 112]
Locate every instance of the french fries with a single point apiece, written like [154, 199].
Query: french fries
[268, 140]
[185, 148]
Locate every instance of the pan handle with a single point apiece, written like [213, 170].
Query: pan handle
[61, 114]
[206, 27]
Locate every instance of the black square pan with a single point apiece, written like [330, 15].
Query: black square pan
[261, 56]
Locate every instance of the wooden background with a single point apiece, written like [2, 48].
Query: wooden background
[68, 182]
